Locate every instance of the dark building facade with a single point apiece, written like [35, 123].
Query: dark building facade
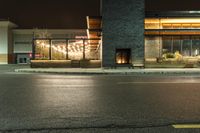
[123, 32]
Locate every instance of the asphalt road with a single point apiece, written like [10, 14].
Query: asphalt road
[106, 103]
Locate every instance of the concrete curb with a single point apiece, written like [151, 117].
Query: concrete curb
[114, 71]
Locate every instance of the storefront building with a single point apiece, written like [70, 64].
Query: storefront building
[172, 39]
[23, 40]
[120, 37]
[77, 51]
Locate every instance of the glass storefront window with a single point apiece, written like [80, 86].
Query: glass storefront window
[58, 50]
[177, 44]
[67, 49]
[42, 49]
[186, 46]
[195, 45]
[167, 44]
[75, 49]
[179, 41]
[92, 49]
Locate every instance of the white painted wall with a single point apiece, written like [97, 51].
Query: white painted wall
[3, 44]
[6, 44]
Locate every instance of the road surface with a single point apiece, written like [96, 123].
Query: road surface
[103, 103]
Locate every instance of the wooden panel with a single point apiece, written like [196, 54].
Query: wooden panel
[172, 32]
[3, 58]
[94, 22]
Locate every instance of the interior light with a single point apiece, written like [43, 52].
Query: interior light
[180, 20]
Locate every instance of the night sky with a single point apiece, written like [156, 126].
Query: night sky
[71, 13]
[166, 5]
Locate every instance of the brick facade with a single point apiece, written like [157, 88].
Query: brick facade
[123, 27]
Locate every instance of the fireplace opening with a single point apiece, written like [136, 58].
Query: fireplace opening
[123, 56]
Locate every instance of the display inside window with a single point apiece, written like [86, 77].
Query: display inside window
[75, 49]
[58, 50]
[195, 46]
[67, 49]
[92, 49]
[42, 49]
[186, 45]
[172, 47]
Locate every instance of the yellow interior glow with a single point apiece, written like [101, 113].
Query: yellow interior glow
[180, 20]
[173, 20]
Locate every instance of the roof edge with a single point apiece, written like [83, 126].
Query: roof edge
[195, 13]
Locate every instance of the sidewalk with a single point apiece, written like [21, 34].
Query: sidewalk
[124, 71]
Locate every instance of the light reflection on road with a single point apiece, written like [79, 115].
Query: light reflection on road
[66, 94]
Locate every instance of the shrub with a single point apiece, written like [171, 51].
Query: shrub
[169, 55]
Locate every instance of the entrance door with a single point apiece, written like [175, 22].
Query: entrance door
[23, 59]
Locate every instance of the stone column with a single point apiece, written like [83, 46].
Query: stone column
[123, 27]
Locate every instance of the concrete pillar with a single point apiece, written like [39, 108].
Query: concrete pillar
[123, 27]
[6, 43]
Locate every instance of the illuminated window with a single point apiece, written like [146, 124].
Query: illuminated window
[166, 26]
[67, 49]
[186, 47]
[195, 45]
[172, 23]
[58, 50]
[177, 44]
[42, 49]
[75, 49]
[92, 49]
[167, 44]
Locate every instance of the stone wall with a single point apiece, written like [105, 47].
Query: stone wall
[153, 47]
[123, 27]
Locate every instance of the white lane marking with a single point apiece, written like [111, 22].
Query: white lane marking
[189, 126]
[14, 73]
[66, 85]
[178, 82]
